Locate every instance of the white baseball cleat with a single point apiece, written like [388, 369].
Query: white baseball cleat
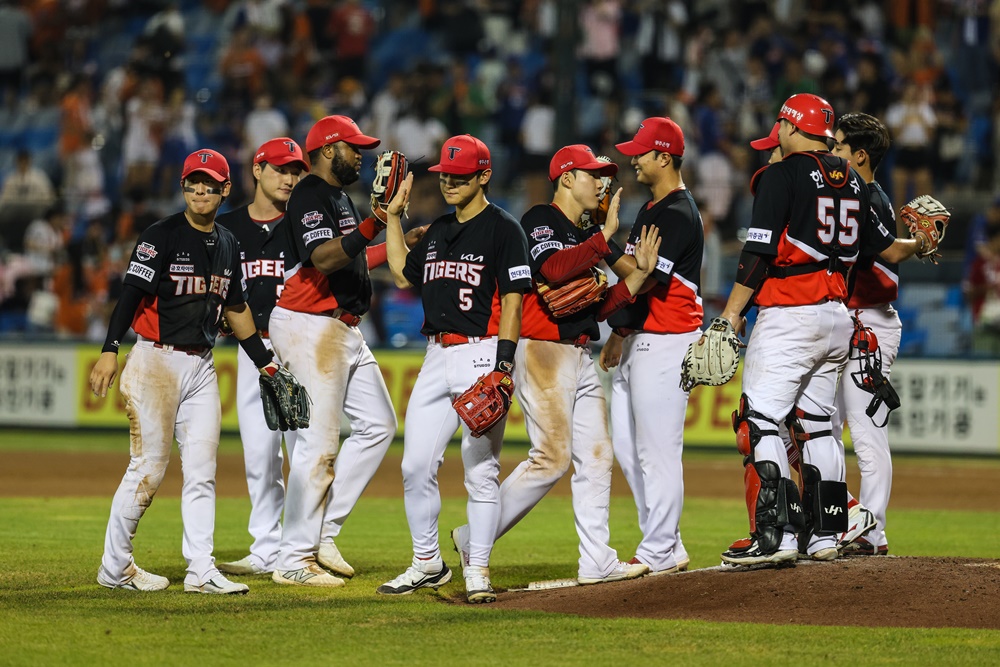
[682, 566]
[460, 538]
[310, 575]
[140, 580]
[242, 566]
[420, 574]
[217, 585]
[621, 572]
[748, 552]
[860, 521]
[330, 558]
[478, 588]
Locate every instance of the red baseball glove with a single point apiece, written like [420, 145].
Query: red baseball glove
[574, 295]
[927, 217]
[390, 170]
[486, 402]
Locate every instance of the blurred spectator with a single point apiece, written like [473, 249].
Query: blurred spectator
[15, 33]
[982, 227]
[538, 145]
[27, 192]
[418, 135]
[386, 108]
[951, 149]
[263, 123]
[144, 125]
[794, 80]
[599, 49]
[352, 27]
[180, 138]
[659, 41]
[45, 239]
[75, 133]
[164, 35]
[982, 291]
[243, 70]
[872, 92]
[912, 122]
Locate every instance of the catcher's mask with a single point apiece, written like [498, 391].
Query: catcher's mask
[864, 351]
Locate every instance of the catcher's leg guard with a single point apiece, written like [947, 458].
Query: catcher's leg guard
[824, 501]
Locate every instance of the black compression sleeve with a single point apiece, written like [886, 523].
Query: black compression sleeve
[256, 350]
[752, 270]
[505, 355]
[121, 318]
[616, 253]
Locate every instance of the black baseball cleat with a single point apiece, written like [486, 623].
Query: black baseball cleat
[748, 552]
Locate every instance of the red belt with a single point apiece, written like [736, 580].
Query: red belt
[350, 319]
[583, 340]
[264, 334]
[186, 349]
[449, 339]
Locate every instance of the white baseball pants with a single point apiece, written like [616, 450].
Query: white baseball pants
[334, 364]
[647, 430]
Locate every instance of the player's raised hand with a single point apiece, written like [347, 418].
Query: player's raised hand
[647, 249]
[402, 198]
[611, 222]
[103, 374]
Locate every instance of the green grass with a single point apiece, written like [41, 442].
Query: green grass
[52, 611]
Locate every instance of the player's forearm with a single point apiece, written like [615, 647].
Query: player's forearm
[121, 317]
[339, 252]
[571, 262]
[739, 297]
[623, 266]
[510, 316]
[241, 321]
[902, 249]
[396, 250]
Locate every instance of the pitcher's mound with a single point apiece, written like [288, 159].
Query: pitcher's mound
[872, 591]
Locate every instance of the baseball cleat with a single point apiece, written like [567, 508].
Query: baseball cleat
[752, 555]
[139, 581]
[829, 553]
[860, 521]
[863, 547]
[330, 558]
[242, 566]
[217, 585]
[682, 566]
[621, 572]
[310, 575]
[478, 589]
[415, 578]
[460, 538]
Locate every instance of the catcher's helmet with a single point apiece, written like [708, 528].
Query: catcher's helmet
[810, 113]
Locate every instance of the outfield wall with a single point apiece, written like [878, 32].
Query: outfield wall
[948, 406]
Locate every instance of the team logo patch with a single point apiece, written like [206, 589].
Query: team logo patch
[759, 235]
[542, 233]
[138, 270]
[324, 233]
[519, 272]
[311, 219]
[182, 268]
[145, 251]
[542, 247]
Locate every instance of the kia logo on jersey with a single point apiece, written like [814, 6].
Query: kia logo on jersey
[311, 219]
[542, 233]
[469, 257]
[145, 251]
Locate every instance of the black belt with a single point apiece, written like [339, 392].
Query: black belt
[833, 265]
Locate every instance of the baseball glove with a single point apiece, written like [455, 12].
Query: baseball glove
[712, 359]
[927, 216]
[390, 170]
[286, 402]
[486, 402]
[599, 215]
[574, 295]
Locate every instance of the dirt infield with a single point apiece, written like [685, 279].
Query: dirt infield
[870, 592]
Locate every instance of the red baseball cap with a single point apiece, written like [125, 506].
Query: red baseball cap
[331, 129]
[578, 156]
[463, 154]
[655, 134]
[279, 152]
[209, 161]
[768, 143]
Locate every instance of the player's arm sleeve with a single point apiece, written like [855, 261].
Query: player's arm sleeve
[752, 269]
[875, 236]
[513, 267]
[676, 238]
[574, 260]
[238, 284]
[146, 262]
[122, 316]
[771, 210]
[376, 255]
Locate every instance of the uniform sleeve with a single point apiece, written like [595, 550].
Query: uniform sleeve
[875, 237]
[237, 293]
[413, 271]
[513, 268]
[676, 235]
[771, 210]
[146, 263]
[312, 225]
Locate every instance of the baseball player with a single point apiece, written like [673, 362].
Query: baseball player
[811, 218]
[555, 380]
[471, 269]
[183, 276]
[314, 330]
[650, 339]
[277, 166]
[872, 287]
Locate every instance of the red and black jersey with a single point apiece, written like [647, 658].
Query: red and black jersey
[674, 304]
[189, 276]
[874, 281]
[317, 212]
[548, 232]
[811, 218]
[263, 248]
[462, 269]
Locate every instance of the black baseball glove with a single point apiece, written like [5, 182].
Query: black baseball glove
[286, 402]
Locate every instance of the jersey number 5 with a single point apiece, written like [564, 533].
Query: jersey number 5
[845, 230]
[465, 298]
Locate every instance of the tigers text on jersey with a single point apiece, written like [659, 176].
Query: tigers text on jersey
[673, 305]
[263, 247]
[462, 269]
[549, 231]
[317, 212]
[189, 276]
[874, 281]
[811, 208]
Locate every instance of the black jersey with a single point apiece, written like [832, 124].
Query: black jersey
[317, 212]
[874, 281]
[462, 269]
[263, 247]
[811, 211]
[548, 232]
[189, 277]
[674, 304]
